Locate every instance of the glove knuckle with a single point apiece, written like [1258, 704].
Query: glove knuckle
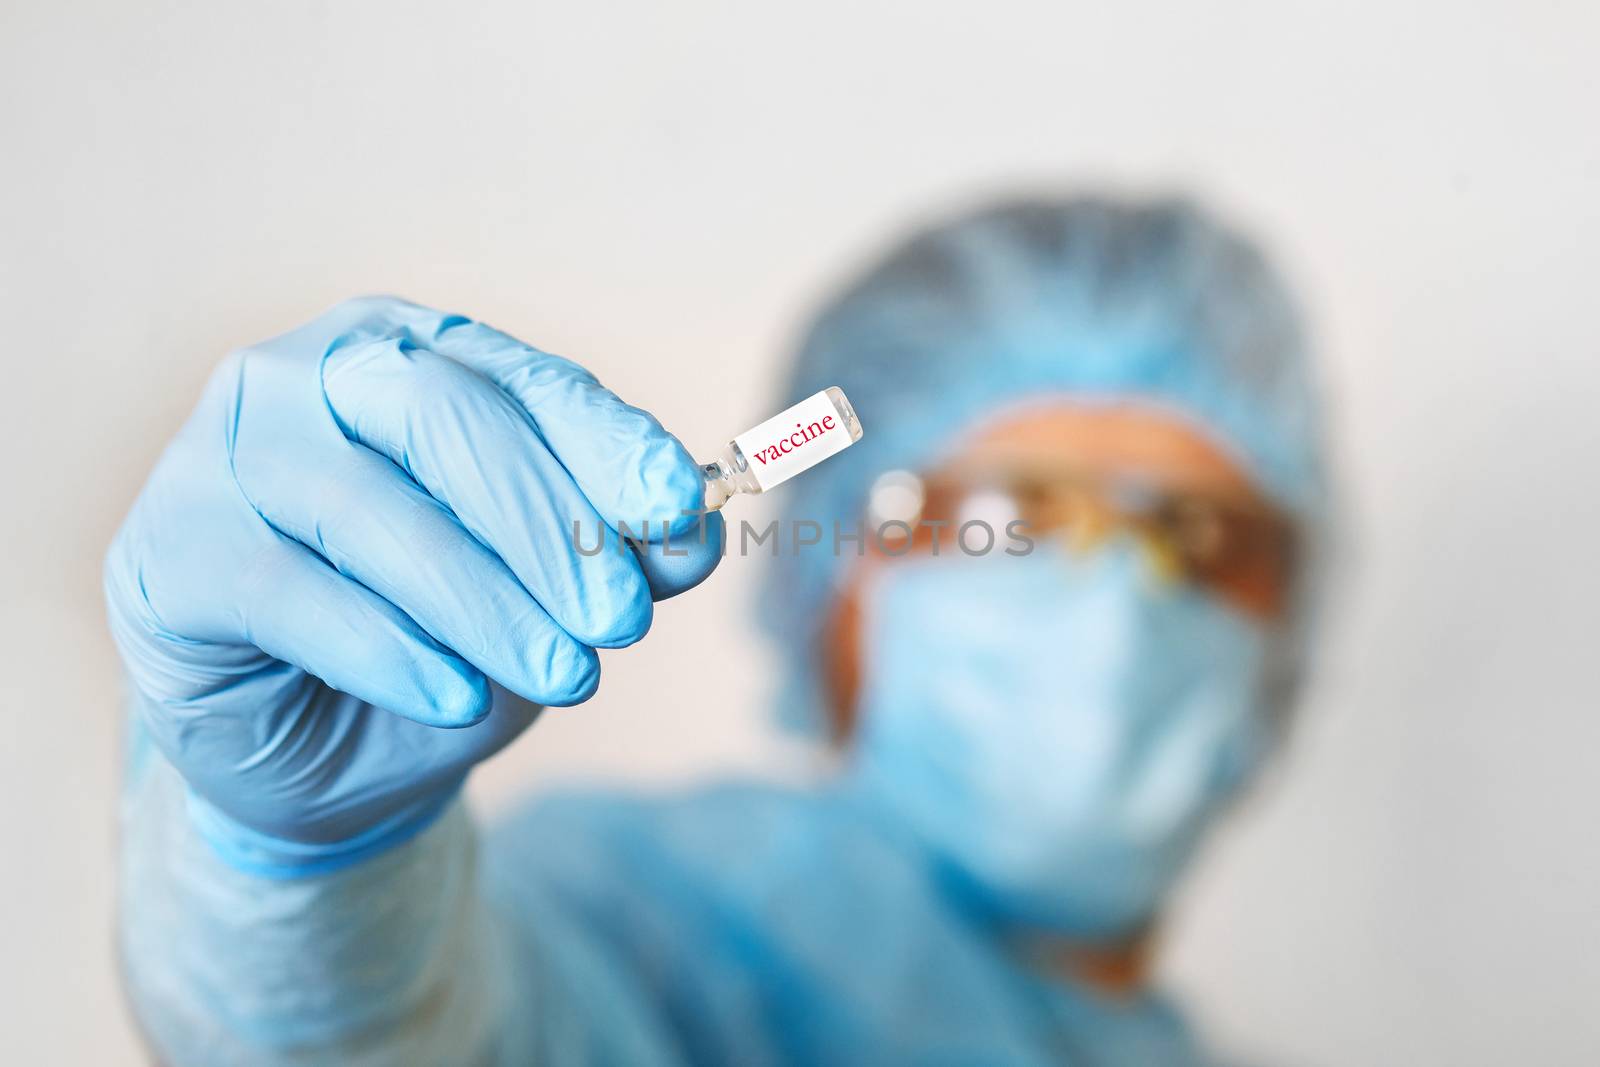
[223, 383]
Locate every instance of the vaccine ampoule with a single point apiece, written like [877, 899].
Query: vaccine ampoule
[821, 425]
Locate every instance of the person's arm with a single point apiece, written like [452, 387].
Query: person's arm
[353, 575]
[393, 960]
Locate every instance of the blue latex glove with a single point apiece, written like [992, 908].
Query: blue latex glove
[359, 553]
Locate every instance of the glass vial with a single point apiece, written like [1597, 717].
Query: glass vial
[793, 440]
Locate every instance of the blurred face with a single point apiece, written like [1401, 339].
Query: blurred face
[1083, 475]
[1058, 726]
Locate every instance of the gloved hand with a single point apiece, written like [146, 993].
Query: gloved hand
[360, 551]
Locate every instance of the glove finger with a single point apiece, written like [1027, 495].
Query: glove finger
[413, 757]
[366, 518]
[682, 561]
[476, 450]
[631, 469]
[296, 608]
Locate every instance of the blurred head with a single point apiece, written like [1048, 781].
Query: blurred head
[1124, 387]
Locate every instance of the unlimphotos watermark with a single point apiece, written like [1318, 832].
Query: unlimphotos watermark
[975, 537]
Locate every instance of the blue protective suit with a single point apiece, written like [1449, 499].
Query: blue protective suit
[743, 924]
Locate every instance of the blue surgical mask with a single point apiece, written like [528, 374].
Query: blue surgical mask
[1055, 729]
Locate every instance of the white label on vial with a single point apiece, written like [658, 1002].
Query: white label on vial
[794, 440]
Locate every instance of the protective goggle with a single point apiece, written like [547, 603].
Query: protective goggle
[1237, 549]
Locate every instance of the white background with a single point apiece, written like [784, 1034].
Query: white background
[660, 190]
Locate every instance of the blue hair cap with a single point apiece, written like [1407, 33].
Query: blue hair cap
[1093, 297]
